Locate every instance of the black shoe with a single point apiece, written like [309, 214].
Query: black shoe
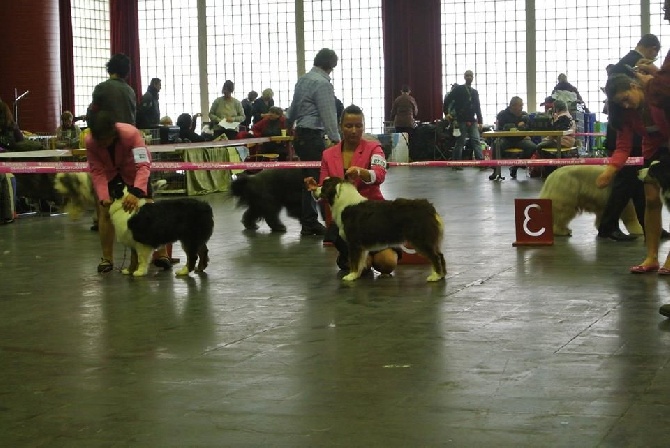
[665, 310]
[163, 262]
[665, 234]
[512, 172]
[314, 229]
[617, 235]
[105, 266]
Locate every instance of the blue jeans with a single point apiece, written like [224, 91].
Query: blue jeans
[470, 132]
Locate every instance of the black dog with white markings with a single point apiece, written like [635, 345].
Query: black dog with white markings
[156, 224]
[374, 225]
[266, 193]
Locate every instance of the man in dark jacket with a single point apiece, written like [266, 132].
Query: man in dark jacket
[626, 185]
[511, 118]
[149, 113]
[468, 116]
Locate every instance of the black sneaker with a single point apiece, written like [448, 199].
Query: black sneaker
[105, 266]
[617, 235]
[665, 310]
[314, 229]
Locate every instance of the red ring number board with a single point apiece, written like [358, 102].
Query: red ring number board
[534, 222]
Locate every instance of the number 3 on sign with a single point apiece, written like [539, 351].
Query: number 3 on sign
[527, 220]
[534, 223]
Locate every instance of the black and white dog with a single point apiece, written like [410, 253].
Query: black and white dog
[373, 225]
[156, 224]
[266, 193]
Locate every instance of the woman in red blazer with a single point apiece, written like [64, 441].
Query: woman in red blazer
[363, 162]
[118, 157]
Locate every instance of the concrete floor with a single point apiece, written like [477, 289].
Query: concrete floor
[519, 347]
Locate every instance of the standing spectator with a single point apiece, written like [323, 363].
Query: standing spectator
[227, 109]
[468, 116]
[313, 112]
[149, 112]
[67, 134]
[262, 105]
[644, 52]
[514, 117]
[247, 106]
[115, 95]
[564, 85]
[404, 111]
[117, 158]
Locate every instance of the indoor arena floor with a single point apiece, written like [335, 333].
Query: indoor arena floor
[518, 347]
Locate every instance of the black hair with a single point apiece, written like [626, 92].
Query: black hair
[103, 125]
[119, 64]
[649, 40]
[228, 85]
[184, 121]
[325, 59]
[616, 84]
[154, 81]
[405, 88]
[351, 109]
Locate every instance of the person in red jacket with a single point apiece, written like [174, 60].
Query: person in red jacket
[363, 162]
[631, 115]
[118, 157]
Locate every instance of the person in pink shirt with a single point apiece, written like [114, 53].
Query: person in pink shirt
[364, 163]
[117, 157]
[631, 115]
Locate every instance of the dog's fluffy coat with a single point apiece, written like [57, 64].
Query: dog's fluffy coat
[372, 225]
[266, 193]
[78, 191]
[156, 224]
[573, 190]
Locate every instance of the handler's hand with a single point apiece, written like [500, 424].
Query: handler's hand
[353, 173]
[606, 177]
[130, 203]
[310, 184]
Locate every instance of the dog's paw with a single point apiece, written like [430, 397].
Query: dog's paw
[350, 277]
[140, 273]
[434, 277]
[182, 272]
[126, 271]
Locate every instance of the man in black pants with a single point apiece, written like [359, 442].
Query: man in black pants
[314, 113]
[626, 184]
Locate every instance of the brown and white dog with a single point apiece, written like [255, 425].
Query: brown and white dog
[373, 225]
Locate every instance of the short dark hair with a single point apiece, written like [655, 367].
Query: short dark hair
[119, 64]
[405, 88]
[184, 121]
[154, 81]
[103, 125]
[352, 110]
[649, 40]
[325, 59]
[228, 85]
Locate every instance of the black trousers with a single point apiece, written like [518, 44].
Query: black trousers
[309, 145]
[625, 186]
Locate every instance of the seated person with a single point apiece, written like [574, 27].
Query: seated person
[562, 121]
[262, 105]
[564, 85]
[511, 118]
[10, 134]
[271, 125]
[67, 134]
[187, 125]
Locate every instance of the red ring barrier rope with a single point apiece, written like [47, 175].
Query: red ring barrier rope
[33, 167]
